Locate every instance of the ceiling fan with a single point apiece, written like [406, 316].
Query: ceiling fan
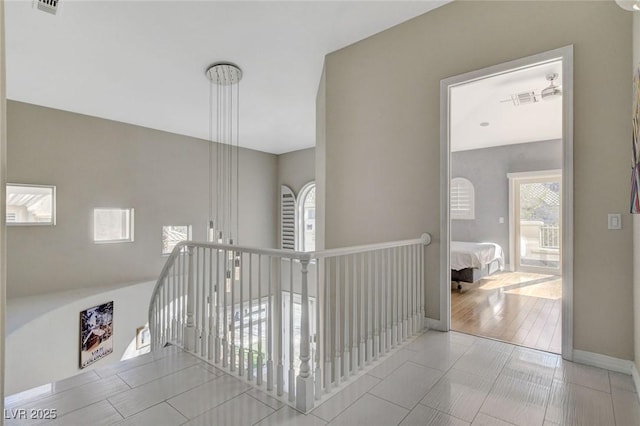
[552, 91]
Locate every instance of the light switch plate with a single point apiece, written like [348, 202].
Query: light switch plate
[615, 221]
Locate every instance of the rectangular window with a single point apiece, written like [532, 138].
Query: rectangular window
[31, 204]
[172, 235]
[112, 225]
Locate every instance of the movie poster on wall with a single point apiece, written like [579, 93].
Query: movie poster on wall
[96, 333]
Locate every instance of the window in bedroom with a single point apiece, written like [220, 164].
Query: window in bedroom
[31, 204]
[172, 235]
[112, 225]
[462, 199]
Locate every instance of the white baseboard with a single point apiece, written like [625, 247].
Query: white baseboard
[604, 361]
[635, 375]
[434, 324]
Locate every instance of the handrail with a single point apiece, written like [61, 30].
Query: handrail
[345, 251]
[354, 305]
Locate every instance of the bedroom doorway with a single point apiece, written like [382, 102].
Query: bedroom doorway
[507, 231]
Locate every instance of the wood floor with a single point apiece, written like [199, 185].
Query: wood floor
[515, 307]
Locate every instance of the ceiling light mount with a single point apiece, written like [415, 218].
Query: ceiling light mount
[224, 73]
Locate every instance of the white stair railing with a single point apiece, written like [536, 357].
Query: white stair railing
[295, 324]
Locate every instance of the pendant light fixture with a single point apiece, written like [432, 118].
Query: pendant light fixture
[224, 123]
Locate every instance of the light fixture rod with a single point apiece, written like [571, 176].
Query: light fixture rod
[225, 75]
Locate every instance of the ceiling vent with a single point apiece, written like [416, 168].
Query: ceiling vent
[49, 6]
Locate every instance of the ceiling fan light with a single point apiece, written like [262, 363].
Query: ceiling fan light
[552, 91]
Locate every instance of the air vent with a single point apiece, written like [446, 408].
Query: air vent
[49, 6]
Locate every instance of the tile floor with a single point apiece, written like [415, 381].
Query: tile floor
[436, 379]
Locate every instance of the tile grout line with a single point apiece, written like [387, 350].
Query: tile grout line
[493, 385]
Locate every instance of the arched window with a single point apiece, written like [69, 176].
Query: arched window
[306, 207]
[462, 199]
[298, 218]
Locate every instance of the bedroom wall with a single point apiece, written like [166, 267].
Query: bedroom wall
[487, 169]
[101, 163]
[383, 100]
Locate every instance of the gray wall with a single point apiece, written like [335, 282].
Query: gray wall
[100, 163]
[296, 168]
[383, 139]
[487, 169]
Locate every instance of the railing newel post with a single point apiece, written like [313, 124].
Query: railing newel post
[304, 383]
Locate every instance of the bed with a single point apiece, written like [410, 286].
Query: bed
[473, 261]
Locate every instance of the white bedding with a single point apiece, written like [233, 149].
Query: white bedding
[475, 255]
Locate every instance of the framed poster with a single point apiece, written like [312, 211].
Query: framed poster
[96, 333]
[143, 337]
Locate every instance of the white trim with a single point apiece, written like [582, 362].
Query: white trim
[535, 174]
[635, 375]
[566, 55]
[434, 324]
[604, 361]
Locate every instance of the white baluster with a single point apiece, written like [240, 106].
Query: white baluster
[376, 311]
[304, 383]
[250, 357]
[338, 346]
[279, 330]
[363, 311]
[292, 373]
[203, 315]
[260, 323]
[354, 316]
[219, 286]
[240, 315]
[327, 324]
[319, 331]
[348, 308]
[270, 313]
[231, 279]
[190, 331]
[225, 315]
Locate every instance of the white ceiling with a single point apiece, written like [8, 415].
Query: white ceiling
[480, 102]
[143, 62]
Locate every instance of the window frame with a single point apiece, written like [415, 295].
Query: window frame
[131, 226]
[52, 222]
[301, 219]
[189, 236]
